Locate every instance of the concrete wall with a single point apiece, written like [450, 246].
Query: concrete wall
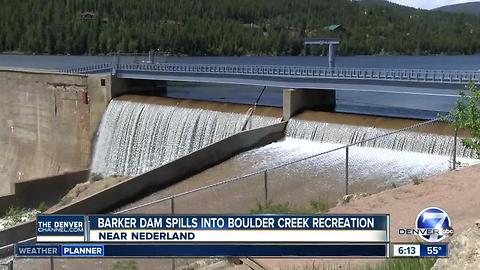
[47, 190]
[47, 122]
[297, 100]
[119, 86]
[137, 187]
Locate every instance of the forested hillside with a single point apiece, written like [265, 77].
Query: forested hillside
[469, 8]
[223, 27]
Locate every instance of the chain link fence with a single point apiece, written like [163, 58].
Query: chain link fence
[365, 165]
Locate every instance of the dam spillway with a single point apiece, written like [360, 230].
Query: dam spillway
[373, 167]
[371, 170]
[135, 137]
[405, 141]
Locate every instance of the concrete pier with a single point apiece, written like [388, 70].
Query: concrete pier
[119, 86]
[298, 100]
[48, 122]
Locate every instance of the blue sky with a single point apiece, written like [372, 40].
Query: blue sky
[429, 4]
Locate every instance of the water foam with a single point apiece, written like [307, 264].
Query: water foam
[409, 141]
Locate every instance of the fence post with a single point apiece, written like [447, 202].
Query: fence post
[346, 170]
[51, 264]
[10, 265]
[265, 184]
[455, 149]
[172, 211]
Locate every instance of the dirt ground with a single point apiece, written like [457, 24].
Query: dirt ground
[457, 192]
[86, 189]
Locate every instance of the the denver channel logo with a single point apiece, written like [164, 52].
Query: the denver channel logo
[432, 225]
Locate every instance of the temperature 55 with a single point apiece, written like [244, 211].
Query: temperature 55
[434, 250]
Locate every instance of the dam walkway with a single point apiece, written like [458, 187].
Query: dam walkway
[305, 77]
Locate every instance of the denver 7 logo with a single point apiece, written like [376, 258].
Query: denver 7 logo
[436, 221]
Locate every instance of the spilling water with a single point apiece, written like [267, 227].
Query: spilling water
[408, 140]
[322, 177]
[365, 163]
[311, 164]
[136, 137]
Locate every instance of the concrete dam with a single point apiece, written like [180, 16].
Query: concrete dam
[183, 156]
[51, 120]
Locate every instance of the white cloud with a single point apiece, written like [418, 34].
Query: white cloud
[428, 4]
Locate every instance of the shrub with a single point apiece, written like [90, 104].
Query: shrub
[388, 264]
[42, 207]
[405, 264]
[95, 177]
[125, 265]
[270, 208]
[319, 206]
[17, 215]
[416, 179]
[466, 115]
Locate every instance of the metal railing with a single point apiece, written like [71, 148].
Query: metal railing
[9, 249]
[87, 69]
[308, 72]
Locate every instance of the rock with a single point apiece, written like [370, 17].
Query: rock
[464, 251]
[351, 197]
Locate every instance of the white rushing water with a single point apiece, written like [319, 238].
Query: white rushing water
[410, 141]
[380, 165]
[136, 137]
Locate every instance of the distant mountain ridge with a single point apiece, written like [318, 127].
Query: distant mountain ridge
[468, 8]
[383, 3]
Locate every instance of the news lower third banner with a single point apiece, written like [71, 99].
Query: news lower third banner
[210, 235]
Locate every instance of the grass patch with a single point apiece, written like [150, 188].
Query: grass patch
[271, 208]
[16, 215]
[388, 264]
[125, 265]
[315, 207]
[42, 207]
[15, 212]
[416, 180]
[95, 177]
[405, 264]
[319, 206]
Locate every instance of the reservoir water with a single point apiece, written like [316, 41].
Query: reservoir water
[418, 106]
[462, 62]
